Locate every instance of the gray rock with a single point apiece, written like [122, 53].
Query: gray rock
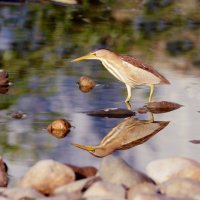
[181, 188]
[116, 170]
[58, 197]
[19, 193]
[46, 175]
[155, 197]
[105, 190]
[142, 188]
[164, 169]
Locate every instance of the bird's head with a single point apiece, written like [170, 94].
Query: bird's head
[94, 150]
[95, 55]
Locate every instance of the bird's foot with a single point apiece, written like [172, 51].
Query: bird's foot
[128, 105]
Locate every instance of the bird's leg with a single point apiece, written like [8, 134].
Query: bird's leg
[129, 93]
[151, 92]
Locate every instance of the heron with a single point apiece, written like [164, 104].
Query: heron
[128, 70]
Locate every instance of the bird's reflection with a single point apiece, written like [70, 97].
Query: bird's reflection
[127, 134]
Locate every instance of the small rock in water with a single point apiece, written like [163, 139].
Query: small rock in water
[86, 84]
[105, 190]
[3, 74]
[59, 128]
[46, 175]
[181, 188]
[165, 169]
[3, 173]
[195, 141]
[122, 174]
[18, 115]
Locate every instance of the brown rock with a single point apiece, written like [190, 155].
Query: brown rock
[83, 172]
[18, 115]
[46, 175]
[181, 188]
[3, 173]
[143, 188]
[59, 128]
[165, 169]
[86, 84]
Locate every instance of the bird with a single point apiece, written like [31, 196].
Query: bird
[127, 134]
[128, 70]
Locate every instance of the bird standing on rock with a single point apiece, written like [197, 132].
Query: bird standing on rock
[128, 70]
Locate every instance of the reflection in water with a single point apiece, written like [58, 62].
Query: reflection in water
[159, 107]
[127, 134]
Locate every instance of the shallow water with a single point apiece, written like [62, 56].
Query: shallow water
[37, 43]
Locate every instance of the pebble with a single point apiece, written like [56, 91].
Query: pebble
[59, 128]
[142, 188]
[86, 84]
[105, 190]
[181, 188]
[18, 115]
[163, 169]
[122, 173]
[46, 175]
[20, 193]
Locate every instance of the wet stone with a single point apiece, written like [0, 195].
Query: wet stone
[59, 128]
[86, 84]
[46, 175]
[123, 173]
[165, 169]
[18, 115]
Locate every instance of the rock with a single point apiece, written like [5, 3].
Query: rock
[142, 188]
[46, 175]
[164, 169]
[58, 197]
[76, 186]
[59, 128]
[181, 188]
[18, 115]
[20, 193]
[105, 190]
[3, 74]
[122, 173]
[86, 84]
[3, 173]
[83, 172]
[155, 197]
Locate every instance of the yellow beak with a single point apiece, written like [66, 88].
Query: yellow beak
[89, 57]
[87, 148]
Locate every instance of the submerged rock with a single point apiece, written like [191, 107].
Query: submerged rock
[86, 84]
[117, 171]
[46, 175]
[59, 128]
[18, 115]
[165, 169]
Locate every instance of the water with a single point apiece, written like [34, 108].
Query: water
[37, 41]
